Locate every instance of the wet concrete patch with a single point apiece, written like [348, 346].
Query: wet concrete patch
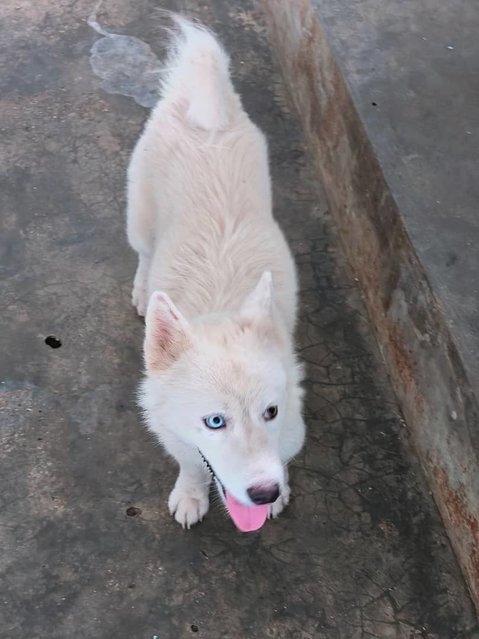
[126, 65]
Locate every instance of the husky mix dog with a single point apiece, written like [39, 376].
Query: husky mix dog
[216, 283]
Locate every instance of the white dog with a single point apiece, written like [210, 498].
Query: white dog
[222, 388]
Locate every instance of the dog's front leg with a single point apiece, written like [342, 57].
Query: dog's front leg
[189, 499]
[280, 504]
[292, 441]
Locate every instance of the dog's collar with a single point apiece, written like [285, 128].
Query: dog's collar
[207, 464]
[209, 467]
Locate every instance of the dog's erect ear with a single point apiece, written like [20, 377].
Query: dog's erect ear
[258, 303]
[166, 333]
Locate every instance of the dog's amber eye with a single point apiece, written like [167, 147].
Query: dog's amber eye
[270, 413]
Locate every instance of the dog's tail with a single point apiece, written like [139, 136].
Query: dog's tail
[196, 76]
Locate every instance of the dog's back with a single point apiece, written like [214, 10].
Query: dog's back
[199, 190]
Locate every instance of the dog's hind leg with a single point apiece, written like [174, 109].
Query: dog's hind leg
[139, 295]
[140, 225]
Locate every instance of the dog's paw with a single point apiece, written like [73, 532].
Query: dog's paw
[188, 506]
[280, 504]
[139, 300]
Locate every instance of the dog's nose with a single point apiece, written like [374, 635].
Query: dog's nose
[263, 494]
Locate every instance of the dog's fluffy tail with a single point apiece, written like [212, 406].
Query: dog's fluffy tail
[197, 76]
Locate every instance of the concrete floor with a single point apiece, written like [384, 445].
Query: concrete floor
[359, 553]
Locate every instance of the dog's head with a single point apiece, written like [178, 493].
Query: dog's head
[219, 384]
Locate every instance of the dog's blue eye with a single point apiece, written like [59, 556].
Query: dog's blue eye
[215, 421]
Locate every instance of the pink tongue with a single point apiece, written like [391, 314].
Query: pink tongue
[246, 518]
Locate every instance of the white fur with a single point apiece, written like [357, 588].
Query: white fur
[219, 328]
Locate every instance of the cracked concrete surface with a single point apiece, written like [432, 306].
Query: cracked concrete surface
[359, 553]
[371, 81]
